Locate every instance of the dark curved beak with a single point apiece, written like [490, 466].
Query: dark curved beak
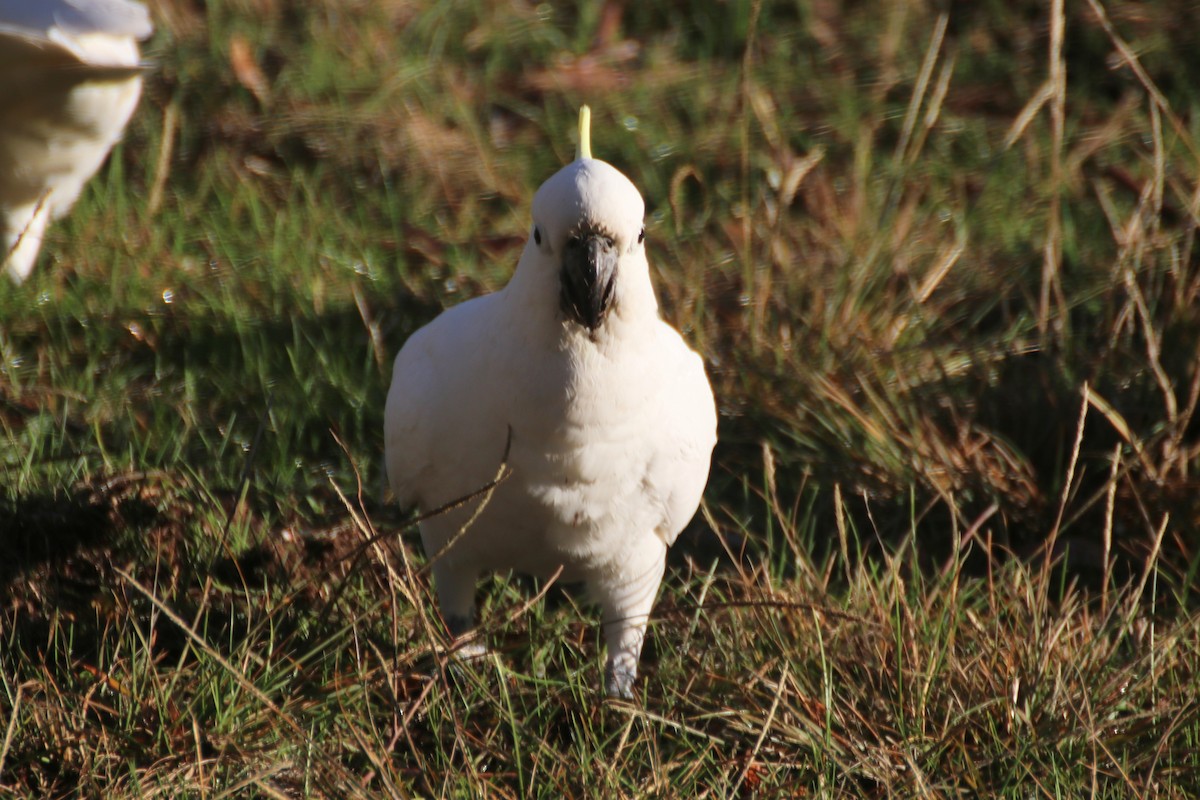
[589, 271]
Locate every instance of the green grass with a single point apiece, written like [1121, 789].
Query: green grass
[949, 546]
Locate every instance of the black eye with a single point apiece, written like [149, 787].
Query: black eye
[642, 236]
[537, 236]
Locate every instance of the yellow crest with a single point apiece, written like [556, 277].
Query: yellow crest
[585, 133]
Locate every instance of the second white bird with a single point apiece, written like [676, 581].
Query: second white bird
[611, 415]
[70, 78]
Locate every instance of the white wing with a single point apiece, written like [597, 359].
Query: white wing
[688, 433]
[440, 418]
[406, 420]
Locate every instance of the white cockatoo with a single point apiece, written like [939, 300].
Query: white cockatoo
[605, 414]
[70, 77]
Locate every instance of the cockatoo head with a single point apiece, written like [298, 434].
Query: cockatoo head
[588, 220]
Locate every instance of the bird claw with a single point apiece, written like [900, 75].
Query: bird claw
[618, 681]
[469, 650]
[468, 644]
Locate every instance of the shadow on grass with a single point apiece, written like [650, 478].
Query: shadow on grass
[61, 533]
[70, 617]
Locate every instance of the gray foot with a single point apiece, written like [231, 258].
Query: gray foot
[618, 681]
[459, 627]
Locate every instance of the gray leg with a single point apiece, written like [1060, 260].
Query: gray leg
[626, 597]
[455, 586]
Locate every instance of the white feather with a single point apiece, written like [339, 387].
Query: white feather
[612, 430]
[70, 78]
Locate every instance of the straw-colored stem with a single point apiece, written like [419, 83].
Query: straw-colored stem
[585, 133]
